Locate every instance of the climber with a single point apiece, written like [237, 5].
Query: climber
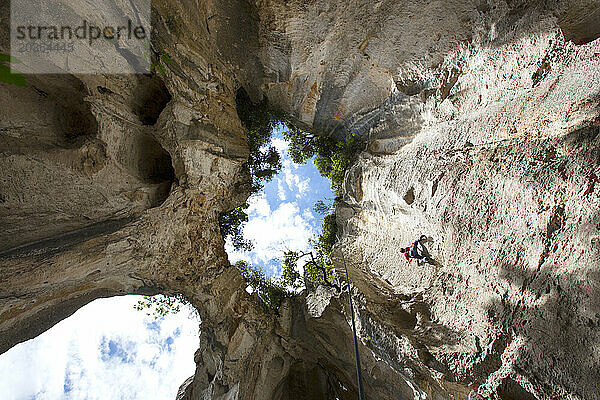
[411, 252]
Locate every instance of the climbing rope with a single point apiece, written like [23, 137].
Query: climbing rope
[357, 357]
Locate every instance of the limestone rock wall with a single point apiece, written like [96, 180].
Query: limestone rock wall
[479, 123]
[480, 129]
[113, 184]
[500, 177]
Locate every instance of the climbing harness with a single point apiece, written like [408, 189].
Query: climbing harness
[358, 371]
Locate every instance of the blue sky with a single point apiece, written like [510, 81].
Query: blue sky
[282, 217]
[109, 351]
[106, 350]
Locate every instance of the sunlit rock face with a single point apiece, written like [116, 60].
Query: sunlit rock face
[480, 127]
[501, 176]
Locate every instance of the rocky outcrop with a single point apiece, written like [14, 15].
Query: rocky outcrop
[480, 124]
[113, 184]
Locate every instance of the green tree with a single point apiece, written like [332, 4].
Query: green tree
[290, 275]
[302, 145]
[269, 290]
[332, 158]
[328, 236]
[259, 119]
[161, 305]
[318, 267]
[318, 270]
[321, 207]
[231, 224]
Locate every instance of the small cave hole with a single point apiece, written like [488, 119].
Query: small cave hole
[511, 390]
[409, 197]
[54, 108]
[434, 187]
[78, 123]
[152, 96]
[103, 90]
[154, 165]
[72, 114]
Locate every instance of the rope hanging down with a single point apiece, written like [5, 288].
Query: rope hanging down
[357, 357]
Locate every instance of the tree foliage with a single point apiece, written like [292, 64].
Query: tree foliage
[322, 208]
[318, 266]
[290, 275]
[259, 119]
[332, 158]
[263, 163]
[318, 270]
[328, 236]
[161, 305]
[231, 224]
[269, 290]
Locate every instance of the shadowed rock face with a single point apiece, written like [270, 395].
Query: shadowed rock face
[480, 124]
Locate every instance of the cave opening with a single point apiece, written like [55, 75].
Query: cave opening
[50, 112]
[155, 162]
[78, 123]
[106, 349]
[290, 199]
[143, 157]
[71, 113]
[509, 389]
[152, 97]
[153, 165]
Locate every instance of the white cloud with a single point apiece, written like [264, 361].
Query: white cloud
[302, 187]
[280, 144]
[307, 215]
[280, 190]
[294, 181]
[259, 206]
[273, 232]
[106, 350]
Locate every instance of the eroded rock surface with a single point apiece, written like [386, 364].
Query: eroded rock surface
[480, 127]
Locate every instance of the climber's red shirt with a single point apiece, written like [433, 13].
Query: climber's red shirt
[407, 253]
